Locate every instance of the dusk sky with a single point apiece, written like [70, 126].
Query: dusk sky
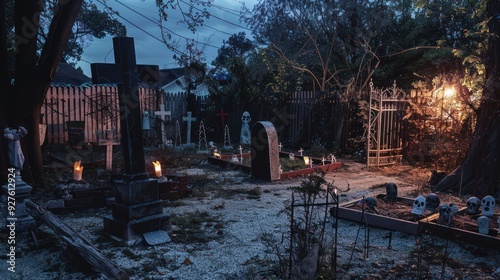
[141, 19]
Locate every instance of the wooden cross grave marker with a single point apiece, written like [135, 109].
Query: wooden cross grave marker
[189, 119]
[223, 116]
[109, 142]
[162, 114]
[126, 74]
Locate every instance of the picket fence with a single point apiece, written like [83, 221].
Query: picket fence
[86, 113]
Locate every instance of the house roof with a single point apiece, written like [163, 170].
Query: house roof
[66, 74]
[167, 76]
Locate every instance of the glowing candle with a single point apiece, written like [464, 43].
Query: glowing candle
[157, 168]
[306, 160]
[77, 171]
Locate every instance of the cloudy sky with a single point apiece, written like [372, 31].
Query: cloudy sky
[141, 19]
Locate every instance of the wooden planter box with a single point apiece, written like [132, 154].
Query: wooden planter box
[353, 211]
[463, 228]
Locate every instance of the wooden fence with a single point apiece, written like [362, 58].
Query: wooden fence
[87, 112]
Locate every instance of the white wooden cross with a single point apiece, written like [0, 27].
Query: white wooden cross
[280, 146]
[300, 151]
[323, 160]
[188, 119]
[109, 142]
[162, 114]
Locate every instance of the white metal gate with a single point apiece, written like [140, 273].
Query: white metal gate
[385, 126]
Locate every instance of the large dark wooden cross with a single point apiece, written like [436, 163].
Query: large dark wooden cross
[127, 74]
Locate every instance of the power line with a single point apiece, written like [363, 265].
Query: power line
[169, 30]
[221, 19]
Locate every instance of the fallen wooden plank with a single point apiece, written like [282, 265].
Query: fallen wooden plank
[78, 243]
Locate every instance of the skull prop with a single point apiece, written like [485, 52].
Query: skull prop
[391, 190]
[488, 205]
[432, 201]
[483, 225]
[418, 206]
[473, 204]
[371, 203]
[446, 211]
[245, 118]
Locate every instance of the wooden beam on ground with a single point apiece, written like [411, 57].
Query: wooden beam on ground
[78, 243]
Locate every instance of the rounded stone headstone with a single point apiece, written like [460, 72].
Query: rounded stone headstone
[265, 151]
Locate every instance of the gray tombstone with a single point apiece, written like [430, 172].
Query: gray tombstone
[265, 152]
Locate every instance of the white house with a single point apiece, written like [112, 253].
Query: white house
[175, 80]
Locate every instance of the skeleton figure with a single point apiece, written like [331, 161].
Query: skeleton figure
[418, 206]
[391, 190]
[371, 203]
[432, 201]
[488, 205]
[245, 128]
[483, 225]
[473, 205]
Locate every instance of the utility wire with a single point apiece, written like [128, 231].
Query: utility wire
[169, 30]
[221, 19]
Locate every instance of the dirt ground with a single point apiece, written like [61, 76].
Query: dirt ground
[233, 227]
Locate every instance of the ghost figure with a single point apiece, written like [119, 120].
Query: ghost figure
[488, 205]
[245, 128]
[418, 205]
[16, 157]
[483, 225]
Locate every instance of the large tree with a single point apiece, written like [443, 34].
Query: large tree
[34, 70]
[479, 173]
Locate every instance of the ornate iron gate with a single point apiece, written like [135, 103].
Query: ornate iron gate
[385, 126]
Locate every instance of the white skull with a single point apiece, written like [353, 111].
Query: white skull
[432, 201]
[483, 225]
[391, 190]
[418, 206]
[473, 204]
[245, 118]
[488, 205]
[291, 156]
[371, 202]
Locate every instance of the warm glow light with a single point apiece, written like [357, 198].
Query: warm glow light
[216, 155]
[449, 92]
[77, 171]
[157, 166]
[306, 160]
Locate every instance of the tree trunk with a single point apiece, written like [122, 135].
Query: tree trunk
[33, 76]
[479, 173]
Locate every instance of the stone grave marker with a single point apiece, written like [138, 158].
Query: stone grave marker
[265, 151]
[137, 208]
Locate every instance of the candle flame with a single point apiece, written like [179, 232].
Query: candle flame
[157, 166]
